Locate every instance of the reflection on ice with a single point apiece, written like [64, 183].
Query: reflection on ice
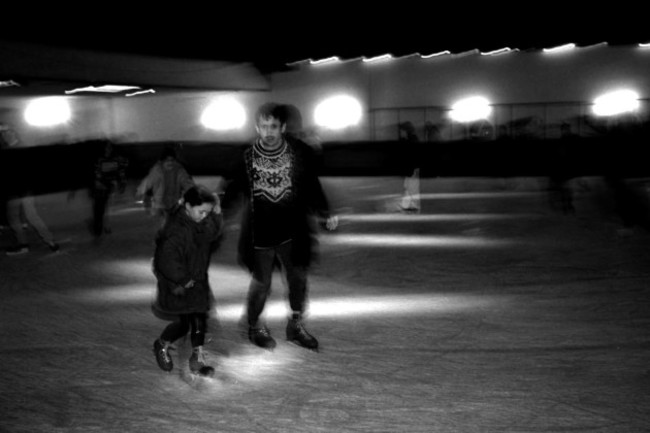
[400, 217]
[419, 240]
[377, 306]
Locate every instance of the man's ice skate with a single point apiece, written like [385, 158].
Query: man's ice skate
[161, 351]
[197, 363]
[260, 336]
[297, 334]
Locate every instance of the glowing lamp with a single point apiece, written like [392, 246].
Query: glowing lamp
[615, 103]
[470, 109]
[224, 114]
[338, 112]
[49, 111]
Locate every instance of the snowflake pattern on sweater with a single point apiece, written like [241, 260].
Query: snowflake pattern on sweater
[272, 173]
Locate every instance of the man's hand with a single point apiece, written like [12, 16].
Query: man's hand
[332, 223]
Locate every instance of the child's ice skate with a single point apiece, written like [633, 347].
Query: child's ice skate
[197, 363]
[163, 358]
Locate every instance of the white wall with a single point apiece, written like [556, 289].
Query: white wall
[519, 78]
[176, 116]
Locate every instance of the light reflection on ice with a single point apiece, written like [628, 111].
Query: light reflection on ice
[322, 307]
[401, 217]
[419, 240]
[464, 195]
[377, 306]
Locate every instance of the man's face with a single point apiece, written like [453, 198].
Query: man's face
[270, 131]
[168, 163]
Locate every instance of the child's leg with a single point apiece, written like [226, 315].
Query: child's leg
[171, 333]
[176, 330]
[199, 326]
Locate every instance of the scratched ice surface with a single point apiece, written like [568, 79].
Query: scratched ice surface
[489, 311]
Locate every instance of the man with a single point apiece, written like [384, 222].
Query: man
[283, 195]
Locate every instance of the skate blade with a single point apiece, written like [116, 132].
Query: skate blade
[311, 349]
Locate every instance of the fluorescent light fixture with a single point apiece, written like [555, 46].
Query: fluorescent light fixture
[108, 88]
[141, 92]
[378, 58]
[441, 53]
[326, 60]
[560, 48]
[9, 83]
[499, 51]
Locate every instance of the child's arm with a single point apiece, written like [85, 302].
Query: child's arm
[169, 260]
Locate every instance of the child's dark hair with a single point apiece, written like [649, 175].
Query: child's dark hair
[271, 109]
[198, 195]
[168, 152]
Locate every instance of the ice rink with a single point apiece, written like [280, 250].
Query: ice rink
[489, 311]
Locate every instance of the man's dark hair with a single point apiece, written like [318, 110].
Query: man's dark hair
[272, 109]
[168, 152]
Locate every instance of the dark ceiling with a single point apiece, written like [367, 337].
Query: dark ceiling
[271, 35]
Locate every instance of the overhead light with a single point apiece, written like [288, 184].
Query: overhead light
[326, 60]
[378, 58]
[560, 48]
[108, 88]
[140, 92]
[9, 83]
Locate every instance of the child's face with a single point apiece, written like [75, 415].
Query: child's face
[198, 213]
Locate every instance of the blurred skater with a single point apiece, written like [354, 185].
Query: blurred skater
[21, 210]
[166, 181]
[110, 175]
[563, 168]
[410, 202]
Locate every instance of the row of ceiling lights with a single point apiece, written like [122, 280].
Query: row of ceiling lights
[337, 112]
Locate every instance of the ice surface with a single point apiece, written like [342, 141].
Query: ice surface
[487, 312]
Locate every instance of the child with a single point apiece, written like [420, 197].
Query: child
[181, 260]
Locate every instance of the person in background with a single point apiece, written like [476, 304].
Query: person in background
[20, 204]
[110, 175]
[166, 181]
[410, 201]
[562, 170]
[181, 261]
[282, 196]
